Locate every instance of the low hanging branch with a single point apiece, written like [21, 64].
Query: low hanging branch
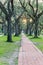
[40, 14]
[35, 16]
[12, 6]
[20, 15]
[5, 2]
[31, 6]
[36, 7]
[34, 13]
[9, 9]
[3, 5]
[24, 7]
[3, 8]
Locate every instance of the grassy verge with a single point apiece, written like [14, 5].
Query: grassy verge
[37, 41]
[14, 38]
[4, 63]
[16, 61]
[7, 48]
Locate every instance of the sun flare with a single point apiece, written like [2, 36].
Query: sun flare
[24, 20]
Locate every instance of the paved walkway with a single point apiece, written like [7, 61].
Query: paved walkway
[29, 54]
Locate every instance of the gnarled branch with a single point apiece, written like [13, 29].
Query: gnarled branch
[20, 15]
[3, 9]
[31, 6]
[5, 2]
[24, 7]
[36, 7]
[9, 9]
[12, 6]
[40, 14]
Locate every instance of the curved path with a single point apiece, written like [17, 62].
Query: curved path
[29, 54]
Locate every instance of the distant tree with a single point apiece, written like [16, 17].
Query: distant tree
[17, 25]
[35, 14]
[18, 12]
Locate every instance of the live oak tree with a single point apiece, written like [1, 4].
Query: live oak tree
[29, 27]
[8, 14]
[18, 12]
[35, 14]
[17, 25]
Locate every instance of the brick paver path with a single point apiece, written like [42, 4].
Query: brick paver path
[29, 54]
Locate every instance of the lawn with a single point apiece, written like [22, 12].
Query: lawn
[38, 41]
[4, 63]
[14, 38]
[7, 48]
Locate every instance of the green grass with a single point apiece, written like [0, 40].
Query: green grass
[3, 63]
[7, 47]
[39, 41]
[16, 61]
[14, 38]
[40, 46]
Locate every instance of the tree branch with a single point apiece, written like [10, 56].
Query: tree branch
[1, 22]
[20, 15]
[36, 7]
[5, 2]
[4, 5]
[3, 9]
[31, 6]
[9, 9]
[40, 14]
[12, 6]
[24, 7]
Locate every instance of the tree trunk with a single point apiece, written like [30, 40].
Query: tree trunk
[36, 29]
[30, 33]
[19, 28]
[2, 28]
[5, 29]
[9, 34]
[27, 27]
[16, 29]
[30, 29]
[27, 31]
